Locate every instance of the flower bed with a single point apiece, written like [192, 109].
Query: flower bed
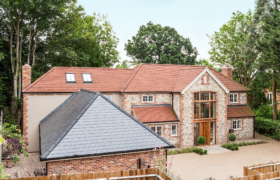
[234, 146]
[181, 151]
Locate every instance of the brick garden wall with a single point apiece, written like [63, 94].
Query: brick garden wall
[99, 164]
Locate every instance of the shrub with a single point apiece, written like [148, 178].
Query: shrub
[265, 111]
[228, 146]
[268, 127]
[205, 151]
[236, 147]
[201, 140]
[232, 137]
[201, 153]
[232, 148]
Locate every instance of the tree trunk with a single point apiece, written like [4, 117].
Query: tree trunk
[274, 100]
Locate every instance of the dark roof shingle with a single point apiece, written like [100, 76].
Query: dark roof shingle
[96, 127]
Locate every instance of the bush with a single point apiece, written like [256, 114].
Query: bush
[205, 151]
[232, 148]
[265, 111]
[268, 127]
[236, 147]
[232, 137]
[201, 140]
[228, 146]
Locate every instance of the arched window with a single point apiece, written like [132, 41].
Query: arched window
[204, 105]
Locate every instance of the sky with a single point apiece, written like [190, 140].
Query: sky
[191, 18]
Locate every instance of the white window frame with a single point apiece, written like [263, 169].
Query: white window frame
[148, 99]
[270, 95]
[87, 81]
[110, 97]
[156, 129]
[71, 81]
[233, 94]
[176, 130]
[239, 128]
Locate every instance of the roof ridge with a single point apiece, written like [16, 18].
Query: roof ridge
[39, 79]
[132, 76]
[107, 68]
[71, 125]
[229, 78]
[174, 65]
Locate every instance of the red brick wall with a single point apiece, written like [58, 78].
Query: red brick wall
[99, 164]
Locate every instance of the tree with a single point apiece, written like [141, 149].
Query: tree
[205, 62]
[124, 64]
[19, 16]
[235, 45]
[269, 44]
[160, 45]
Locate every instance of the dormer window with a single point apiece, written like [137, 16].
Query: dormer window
[70, 78]
[233, 98]
[87, 78]
[147, 98]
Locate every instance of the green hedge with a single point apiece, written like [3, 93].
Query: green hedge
[268, 127]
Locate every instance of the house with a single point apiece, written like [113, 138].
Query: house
[90, 133]
[269, 96]
[178, 102]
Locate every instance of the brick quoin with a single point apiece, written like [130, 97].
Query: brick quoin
[103, 163]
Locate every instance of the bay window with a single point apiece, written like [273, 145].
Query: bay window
[204, 105]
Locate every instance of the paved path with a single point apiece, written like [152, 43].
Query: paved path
[192, 166]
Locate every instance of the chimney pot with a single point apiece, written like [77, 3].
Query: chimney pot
[26, 76]
[227, 71]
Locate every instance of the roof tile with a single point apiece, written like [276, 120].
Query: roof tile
[239, 111]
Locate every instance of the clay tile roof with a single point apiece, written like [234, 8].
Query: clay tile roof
[239, 111]
[155, 113]
[103, 80]
[143, 78]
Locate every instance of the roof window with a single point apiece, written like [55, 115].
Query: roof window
[87, 78]
[70, 78]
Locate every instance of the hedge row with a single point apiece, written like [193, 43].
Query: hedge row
[268, 127]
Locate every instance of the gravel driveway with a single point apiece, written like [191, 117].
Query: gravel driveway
[192, 166]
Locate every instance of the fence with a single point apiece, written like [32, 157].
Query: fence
[261, 172]
[138, 174]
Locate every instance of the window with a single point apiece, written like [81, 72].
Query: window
[109, 97]
[157, 129]
[87, 78]
[269, 97]
[205, 79]
[174, 130]
[70, 78]
[204, 105]
[148, 98]
[233, 98]
[236, 124]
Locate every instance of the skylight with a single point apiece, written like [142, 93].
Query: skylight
[70, 77]
[87, 78]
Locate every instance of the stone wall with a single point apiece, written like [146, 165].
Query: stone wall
[187, 121]
[98, 164]
[136, 99]
[176, 104]
[242, 99]
[247, 129]
[166, 128]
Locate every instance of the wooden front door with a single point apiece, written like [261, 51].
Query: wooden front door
[204, 130]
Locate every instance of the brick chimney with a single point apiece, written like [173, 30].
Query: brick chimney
[26, 76]
[227, 71]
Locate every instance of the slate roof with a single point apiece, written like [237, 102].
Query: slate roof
[155, 113]
[239, 111]
[143, 78]
[89, 124]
